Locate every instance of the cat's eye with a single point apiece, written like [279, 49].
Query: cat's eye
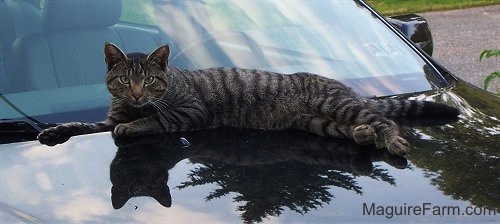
[149, 79]
[124, 79]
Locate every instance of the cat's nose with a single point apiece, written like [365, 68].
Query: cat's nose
[136, 92]
[136, 96]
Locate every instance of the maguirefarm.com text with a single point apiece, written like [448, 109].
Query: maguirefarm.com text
[389, 211]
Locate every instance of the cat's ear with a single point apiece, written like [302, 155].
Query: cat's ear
[162, 195]
[118, 198]
[113, 55]
[160, 56]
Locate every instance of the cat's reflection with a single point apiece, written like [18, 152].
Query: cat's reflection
[256, 164]
[140, 168]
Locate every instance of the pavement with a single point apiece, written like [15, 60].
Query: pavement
[459, 38]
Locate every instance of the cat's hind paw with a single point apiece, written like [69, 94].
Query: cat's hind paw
[364, 134]
[398, 146]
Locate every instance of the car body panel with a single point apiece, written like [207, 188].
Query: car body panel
[210, 175]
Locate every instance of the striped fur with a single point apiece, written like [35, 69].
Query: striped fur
[179, 100]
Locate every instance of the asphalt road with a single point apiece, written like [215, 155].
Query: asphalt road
[459, 38]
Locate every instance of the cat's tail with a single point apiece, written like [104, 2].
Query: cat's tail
[398, 107]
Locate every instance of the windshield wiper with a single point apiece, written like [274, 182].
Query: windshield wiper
[20, 130]
[17, 130]
[27, 121]
[19, 125]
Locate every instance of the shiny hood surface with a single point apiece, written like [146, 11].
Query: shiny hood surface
[234, 176]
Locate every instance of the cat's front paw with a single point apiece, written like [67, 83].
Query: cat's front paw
[125, 130]
[54, 135]
[398, 146]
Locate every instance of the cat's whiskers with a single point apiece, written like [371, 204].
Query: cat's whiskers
[164, 103]
[158, 108]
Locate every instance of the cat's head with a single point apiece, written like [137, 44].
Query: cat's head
[136, 78]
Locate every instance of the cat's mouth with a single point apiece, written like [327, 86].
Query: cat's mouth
[138, 103]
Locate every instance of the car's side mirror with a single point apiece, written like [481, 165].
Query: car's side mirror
[416, 29]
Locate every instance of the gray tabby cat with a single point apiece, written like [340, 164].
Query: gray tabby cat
[150, 98]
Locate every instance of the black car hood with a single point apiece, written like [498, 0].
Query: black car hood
[233, 175]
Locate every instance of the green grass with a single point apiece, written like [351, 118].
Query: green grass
[397, 7]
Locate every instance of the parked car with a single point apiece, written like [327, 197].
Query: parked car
[52, 71]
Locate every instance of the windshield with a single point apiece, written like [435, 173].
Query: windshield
[52, 65]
